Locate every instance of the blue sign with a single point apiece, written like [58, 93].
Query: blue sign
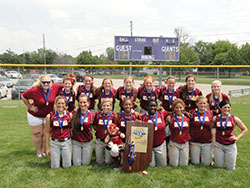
[146, 49]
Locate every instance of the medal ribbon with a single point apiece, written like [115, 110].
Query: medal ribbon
[199, 117]
[172, 96]
[46, 97]
[103, 119]
[156, 119]
[130, 94]
[130, 161]
[105, 93]
[82, 119]
[70, 93]
[151, 94]
[216, 104]
[180, 126]
[223, 128]
[85, 91]
[58, 119]
[190, 100]
[124, 117]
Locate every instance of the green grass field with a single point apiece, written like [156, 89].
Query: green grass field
[19, 166]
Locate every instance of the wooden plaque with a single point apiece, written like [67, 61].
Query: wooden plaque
[141, 133]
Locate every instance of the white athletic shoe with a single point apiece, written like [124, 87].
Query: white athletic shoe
[39, 155]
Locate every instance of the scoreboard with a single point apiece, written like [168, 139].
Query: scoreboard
[146, 49]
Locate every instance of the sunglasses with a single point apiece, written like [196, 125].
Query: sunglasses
[46, 82]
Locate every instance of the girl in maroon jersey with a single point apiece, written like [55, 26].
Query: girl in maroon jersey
[188, 93]
[200, 132]
[82, 138]
[159, 151]
[42, 94]
[69, 92]
[147, 92]
[58, 128]
[88, 89]
[127, 91]
[215, 97]
[125, 116]
[101, 122]
[223, 137]
[168, 94]
[106, 91]
[179, 139]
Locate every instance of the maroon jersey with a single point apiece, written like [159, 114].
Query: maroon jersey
[35, 93]
[122, 124]
[89, 93]
[100, 96]
[70, 99]
[180, 137]
[121, 95]
[85, 135]
[214, 102]
[229, 131]
[100, 131]
[144, 96]
[159, 134]
[57, 132]
[190, 99]
[165, 99]
[199, 133]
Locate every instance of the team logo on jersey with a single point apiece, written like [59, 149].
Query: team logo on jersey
[166, 98]
[56, 124]
[67, 98]
[158, 120]
[229, 124]
[144, 97]
[185, 124]
[196, 119]
[101, 122]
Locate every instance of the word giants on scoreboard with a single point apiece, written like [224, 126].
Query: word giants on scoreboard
[146, 49]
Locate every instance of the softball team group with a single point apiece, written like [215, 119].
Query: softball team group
[187, 124]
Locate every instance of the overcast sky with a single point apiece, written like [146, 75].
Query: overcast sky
[71, 26]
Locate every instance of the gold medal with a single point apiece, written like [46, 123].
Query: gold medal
[223, 133]
[129, 168]
[170, 106]
[156, 128]
[66, 107]
[105, 132]
[201, 127]
[81, 128]
[189, 105]
[217, 111]
[180, 133]
[47, 103]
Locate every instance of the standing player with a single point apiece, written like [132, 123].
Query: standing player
[179, 139]
[168, 94]
[101, 122]
[58, 127]
[82, 138]
[43, 94]
[127, 91]
[188, 93]
[159, 151]
[68, 92]
[223, 136]
[88, 89]
[146, 93]
[215, 97]
[106, 91]
[200, 132]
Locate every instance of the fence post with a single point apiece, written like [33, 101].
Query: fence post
[230, 93]
[130, 69]
[170, 71]
[160, 76]
[218, 72]
[19, 104]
